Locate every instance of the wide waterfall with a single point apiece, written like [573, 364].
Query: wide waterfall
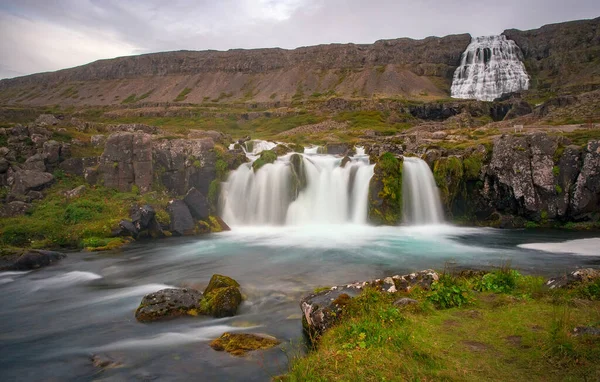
[491, 66]
[332, 194]
[421, 197]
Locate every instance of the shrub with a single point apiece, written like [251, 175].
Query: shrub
[501, 281]
[449, 292]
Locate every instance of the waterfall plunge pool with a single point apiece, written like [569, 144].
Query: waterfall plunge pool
[51, 320]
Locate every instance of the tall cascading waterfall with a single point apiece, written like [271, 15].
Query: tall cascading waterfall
[421, 197]
[490, 67]
[334, 194]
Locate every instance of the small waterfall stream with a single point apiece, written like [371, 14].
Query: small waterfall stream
[421, 197]
[334, 194]
[490, 66]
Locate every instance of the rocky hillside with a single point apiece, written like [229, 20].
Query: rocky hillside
[401, 67]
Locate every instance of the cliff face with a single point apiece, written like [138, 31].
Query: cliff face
[388, 67]
[562, 57]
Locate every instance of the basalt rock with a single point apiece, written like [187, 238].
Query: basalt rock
[222, 297]
[127, 161]
[197, 204]
[142, 216]
[182, 222]
[26, 180]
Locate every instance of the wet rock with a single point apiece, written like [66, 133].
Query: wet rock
[182, 222]
[337, 148]
[26, 180]
[222, 302]
[219, 281]
[574, 278]
[15, 208]
[35, 259]
[239, 344]
[104, 362]
[169, 303]
[222, 297]
[197, 204]
[385, 191]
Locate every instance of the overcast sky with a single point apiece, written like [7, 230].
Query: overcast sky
[46, 35]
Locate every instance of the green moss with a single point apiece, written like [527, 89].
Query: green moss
[472, 167]
[239, 344]
[385, 191]
[222, 169]
[266, 157]
[556, 170]
[448, 174]
[214, 189]
[558, 189]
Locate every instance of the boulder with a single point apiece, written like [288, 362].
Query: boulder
[337, 149]
[14, 208]
[35, 259]
[46, 120]
[197, 204]
[169, 303]
[51, 152]
[26, 180]
[222, 297]
[239, 344]
[586, 198]
[127, 228]
[142, 216]
[35, 163]
[182, 222]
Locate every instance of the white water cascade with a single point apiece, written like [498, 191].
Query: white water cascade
[490, 66]
[421, 197]
[334, 194]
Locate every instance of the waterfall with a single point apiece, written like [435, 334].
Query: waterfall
[421, 197]
[333, 194]
[490, 66]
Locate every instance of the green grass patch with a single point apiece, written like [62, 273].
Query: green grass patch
[183, 95]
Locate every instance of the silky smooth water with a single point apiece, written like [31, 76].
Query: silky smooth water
[52, 319]
[422, 203]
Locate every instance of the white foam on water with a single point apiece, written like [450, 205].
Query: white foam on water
[205, 333]
[135, 291]
[65, 279]
[6, 280]
[581, 247]
[13, 273]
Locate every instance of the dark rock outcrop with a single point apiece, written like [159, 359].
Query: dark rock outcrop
[35, 259]
[574, 278]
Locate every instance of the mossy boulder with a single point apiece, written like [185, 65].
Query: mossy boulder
[168, 304]
[239, 344]
[298, 179]
[222, 297]
[282, 149]
[221, 302]
[385, 191]
[267, 156]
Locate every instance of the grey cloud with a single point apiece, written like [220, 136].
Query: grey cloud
[119, 27]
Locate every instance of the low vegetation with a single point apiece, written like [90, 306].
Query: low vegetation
[470, 327]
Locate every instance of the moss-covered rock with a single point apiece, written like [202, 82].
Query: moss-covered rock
[267, 156]
[239, 344]
[282, 149]
[169, 303]
[298, 180]
[448, 174]
[385, 191]
[219, 281]
[221, 302]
